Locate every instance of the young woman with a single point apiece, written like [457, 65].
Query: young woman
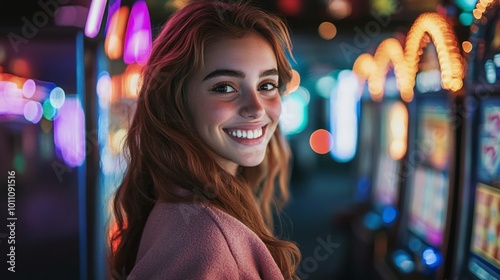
[207, 161]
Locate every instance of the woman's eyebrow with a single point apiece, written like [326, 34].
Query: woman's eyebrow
[225, 72]
[270, 72]
[238, 73]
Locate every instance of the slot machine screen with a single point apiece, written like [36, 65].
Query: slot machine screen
[485, 239]
[429, 186]
[428, 205]
[386, 189]
[489, 143]
[484, 260]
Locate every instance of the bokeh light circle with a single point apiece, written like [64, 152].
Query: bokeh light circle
[57, 97]
[33, 111]
[29, 88]
[321, 141]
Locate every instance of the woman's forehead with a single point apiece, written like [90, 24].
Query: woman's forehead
[226, 50]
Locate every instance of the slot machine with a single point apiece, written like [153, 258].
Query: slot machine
[384, 119]
[367, 132]
[392, 126]
[478, 244]
[422, 249]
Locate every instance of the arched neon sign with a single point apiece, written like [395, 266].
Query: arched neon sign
[433, 27]
[388, 52]
[374, 68]
[481, 7]
[426, 28]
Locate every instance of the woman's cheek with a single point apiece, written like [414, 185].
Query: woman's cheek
[275, 109]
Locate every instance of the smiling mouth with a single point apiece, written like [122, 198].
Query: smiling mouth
[246, 133]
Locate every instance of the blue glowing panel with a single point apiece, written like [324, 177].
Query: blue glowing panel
[294, 116]
[344, 104]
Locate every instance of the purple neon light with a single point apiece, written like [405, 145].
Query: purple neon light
[113, 6]
[94, 18]
[11, 101]
[10, 90]
[69, 133]
[12, 106]
[138, 38]
[29, 88]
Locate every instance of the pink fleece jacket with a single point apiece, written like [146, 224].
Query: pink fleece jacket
[195, 241]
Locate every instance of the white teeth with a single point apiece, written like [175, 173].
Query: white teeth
[248, 134]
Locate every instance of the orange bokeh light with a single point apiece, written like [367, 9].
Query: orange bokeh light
[113, 44]
[321, 141]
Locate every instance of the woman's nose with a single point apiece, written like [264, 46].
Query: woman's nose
[251, 105]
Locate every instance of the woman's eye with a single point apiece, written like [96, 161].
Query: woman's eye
[268, 86]
[223, 88]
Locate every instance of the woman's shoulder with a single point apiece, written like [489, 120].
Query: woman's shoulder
[195, 239]
[185, 221]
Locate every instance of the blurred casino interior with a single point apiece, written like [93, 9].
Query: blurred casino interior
[393, 118]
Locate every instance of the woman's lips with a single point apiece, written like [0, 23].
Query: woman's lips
[247, 136]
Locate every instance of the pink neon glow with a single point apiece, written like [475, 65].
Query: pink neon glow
[12, 106]
[94, 18]
[9, 90]
[69, 133]
[29, 88]
[33, 111]
[138, 38]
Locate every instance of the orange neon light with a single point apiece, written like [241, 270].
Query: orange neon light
[374, 69]
[398, 135]
[6, 77]
[126, 85]
[426, 28]
[433, 27]
[481, 7]
[364, 66]
[388, 52]
[113, 44]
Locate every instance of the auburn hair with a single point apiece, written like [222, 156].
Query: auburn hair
[165, 152]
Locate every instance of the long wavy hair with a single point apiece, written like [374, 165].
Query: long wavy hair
[165, 152]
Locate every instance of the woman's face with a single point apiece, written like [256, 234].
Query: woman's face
[234, 100]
